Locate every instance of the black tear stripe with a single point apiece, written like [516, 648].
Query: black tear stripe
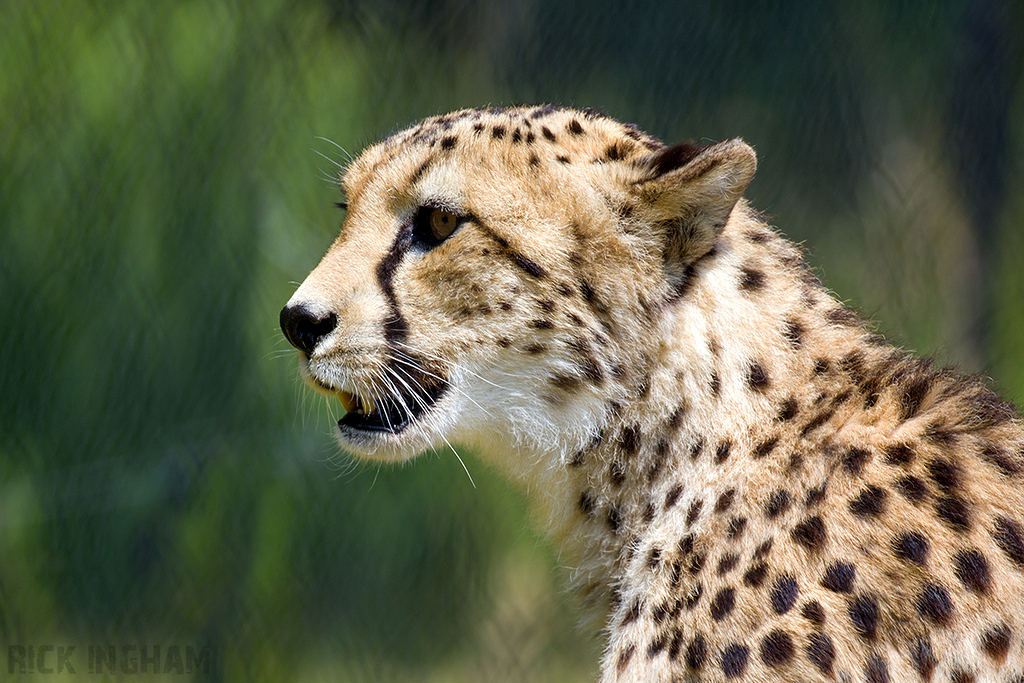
[396, 329]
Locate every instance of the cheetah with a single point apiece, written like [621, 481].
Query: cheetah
[746, 482]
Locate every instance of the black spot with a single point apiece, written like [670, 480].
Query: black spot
[566, 383]
[863, 611]
[616, 473]
[630, 439]
[696, 562]
[899, 454]
[958, 675]
[541, 324]
[734, 660]
[945, 474]
[420, 170]
[632, 614]
[821, 652]
[727, 563]
[990, 410]
[535, 349]
[842, 316]
[716, 383]
[547, 133]
[996, 642]
[448, 142]
[657, 645]
[813, 612]
[913, 395]
[529, 266]
[563, 159]
[1007, 465]
[648, 514]
[839, 577]
[615, 152]
[911, 488]
[810, 533]
[517, 135]
[934, 603]
[587, 503]
[776, 648]
[754, 576]
[765, 447]
[534, 160]
[614, 518]
[624, 658]
[722, 452]
[694, 596]
[870, 502]
[815, 495]
[876, 670]
[546, 304]
[912, 547]
[575, 128]
[784, 593]
[788, 410]
[723, 603]
[757, 377]
[778, 503]
[924, 658]
[940, 434]
[694, 512]
[794, 333]
[677, 643]
[697, 448]
[673, 495]
[954, 512]
[696, 652]
[498, 132]
[972, 569]
[725, 500]
[751, 279]
[821, 366]
[854, 460]
[817, 421]
[736, 527]
[1007, 535]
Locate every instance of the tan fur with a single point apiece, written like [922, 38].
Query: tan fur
[745, 481]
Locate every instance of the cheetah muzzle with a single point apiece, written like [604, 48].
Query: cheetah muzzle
[744, 480]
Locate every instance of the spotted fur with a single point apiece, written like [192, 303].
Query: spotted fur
[746, 482]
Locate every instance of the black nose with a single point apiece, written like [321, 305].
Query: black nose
[304, 328]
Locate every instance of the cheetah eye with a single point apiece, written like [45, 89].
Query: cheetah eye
[431, 226]
[442, 223]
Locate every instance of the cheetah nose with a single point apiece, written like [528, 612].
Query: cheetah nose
[304, 328]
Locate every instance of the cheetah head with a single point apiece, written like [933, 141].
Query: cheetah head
[502, 275]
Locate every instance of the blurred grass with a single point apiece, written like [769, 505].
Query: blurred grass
[165, 180]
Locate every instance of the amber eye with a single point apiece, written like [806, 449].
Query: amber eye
[442, 223]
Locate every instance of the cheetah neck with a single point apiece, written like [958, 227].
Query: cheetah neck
[707, 395]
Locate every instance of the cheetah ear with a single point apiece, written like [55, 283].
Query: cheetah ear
[692, 190]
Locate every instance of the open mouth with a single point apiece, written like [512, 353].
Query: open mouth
[392, 412]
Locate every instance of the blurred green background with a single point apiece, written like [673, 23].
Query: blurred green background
[166, 175]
